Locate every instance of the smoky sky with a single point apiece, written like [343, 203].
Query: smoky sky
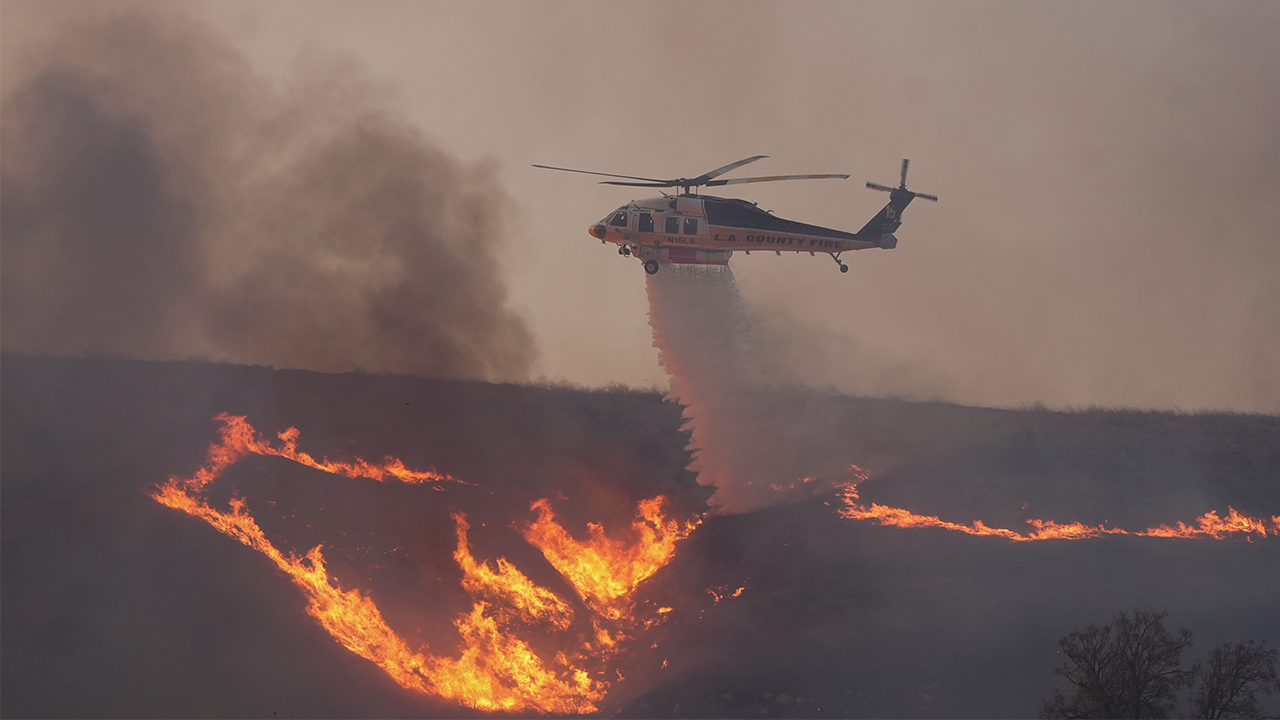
[1105, 236]
[1107, 225]
[1106, 231]
[160, 200]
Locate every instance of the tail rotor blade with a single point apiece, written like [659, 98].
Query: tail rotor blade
[902, 188]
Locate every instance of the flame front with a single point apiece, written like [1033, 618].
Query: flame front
[494, 670]
[534, 603]
[240, 439]
[498, 671]
[351, 618]
[1208, 525]
[605, 571]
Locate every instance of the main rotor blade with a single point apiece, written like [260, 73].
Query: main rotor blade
[703, 178]
[656, 183]
[771, 178]
[588, 172]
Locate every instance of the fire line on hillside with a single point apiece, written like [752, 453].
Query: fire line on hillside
[1209, 525]
[496, 670]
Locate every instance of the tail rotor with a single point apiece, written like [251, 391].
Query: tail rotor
[901, 190]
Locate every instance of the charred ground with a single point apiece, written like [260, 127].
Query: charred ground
[114, 605]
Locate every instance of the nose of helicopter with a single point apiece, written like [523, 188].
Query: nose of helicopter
[597, 231]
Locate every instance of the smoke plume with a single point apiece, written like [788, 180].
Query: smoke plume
[162, 201]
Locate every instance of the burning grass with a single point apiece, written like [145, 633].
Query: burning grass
[496, 667]
[494, 670]
[1209, 525]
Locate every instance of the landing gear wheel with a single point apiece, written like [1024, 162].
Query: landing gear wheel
[651, 267]
[844, 268]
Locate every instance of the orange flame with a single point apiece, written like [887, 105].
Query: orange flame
[494, 670]
[351, 618]
[602, 570]
[240, 439]
[724, 593]
[497, 671]
[1208, 525]
[508, 584]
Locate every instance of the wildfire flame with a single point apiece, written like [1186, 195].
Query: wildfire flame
[1210, 525]
[239, 439]
[1207, 525]
[720, 593]
[498, 671]
[602, 570]
[353, 619]
[494, 669]
[509, 584]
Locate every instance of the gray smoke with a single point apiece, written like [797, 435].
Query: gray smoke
[162, 201]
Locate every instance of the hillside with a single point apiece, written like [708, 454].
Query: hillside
[115, 605]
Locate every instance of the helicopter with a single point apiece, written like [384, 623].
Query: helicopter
[692, 229]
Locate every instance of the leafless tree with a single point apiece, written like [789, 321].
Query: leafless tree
[1226, 686]
[1128, 668]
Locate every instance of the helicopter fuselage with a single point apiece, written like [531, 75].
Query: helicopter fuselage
[706, 230]
[693, 229]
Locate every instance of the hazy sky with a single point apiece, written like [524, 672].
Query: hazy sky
[1107, 231]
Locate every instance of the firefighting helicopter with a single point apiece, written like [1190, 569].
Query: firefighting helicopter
[692, 229]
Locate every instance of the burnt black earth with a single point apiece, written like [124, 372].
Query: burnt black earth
[112, 605]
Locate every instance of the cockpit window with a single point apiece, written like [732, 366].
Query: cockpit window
[619, 219]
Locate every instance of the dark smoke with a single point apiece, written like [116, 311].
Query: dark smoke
[161, 201]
